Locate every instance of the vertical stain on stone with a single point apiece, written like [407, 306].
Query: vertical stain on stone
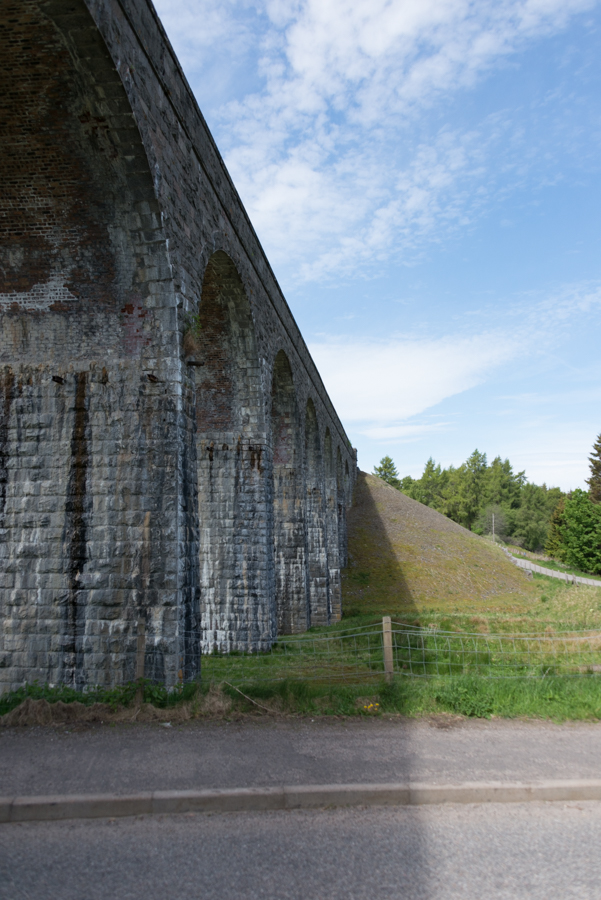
[8, 382]
[146, 549]
[256, 453]
[76, 531]
[190, 615]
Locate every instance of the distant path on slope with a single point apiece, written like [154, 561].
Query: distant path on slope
[551, 573]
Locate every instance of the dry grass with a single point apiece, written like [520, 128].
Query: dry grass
[406, 558]
[213, 704]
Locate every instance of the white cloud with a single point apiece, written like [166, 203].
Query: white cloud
[215, 41]
[403, 433]
[325, 156]
[555, 456]
[381, 384]
[320, 133]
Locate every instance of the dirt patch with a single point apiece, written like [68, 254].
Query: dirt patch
[445, 721]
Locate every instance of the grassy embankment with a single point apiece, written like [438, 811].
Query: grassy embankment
[407, 561]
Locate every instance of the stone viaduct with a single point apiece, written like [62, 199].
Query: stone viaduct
[168, 452]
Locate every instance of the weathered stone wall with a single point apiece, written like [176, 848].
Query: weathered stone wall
[167, 450]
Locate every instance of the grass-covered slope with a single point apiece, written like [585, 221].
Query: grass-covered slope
[405, 558]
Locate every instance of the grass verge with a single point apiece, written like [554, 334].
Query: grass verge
[122, 696]
[558, 698]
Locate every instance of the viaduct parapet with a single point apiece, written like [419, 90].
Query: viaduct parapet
[168, 452]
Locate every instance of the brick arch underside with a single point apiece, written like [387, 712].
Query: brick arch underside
[86, 476]
[315, 510]
[236, 577]
[289, 528]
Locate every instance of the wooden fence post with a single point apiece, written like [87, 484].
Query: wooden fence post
[140, 655]
[388, 657]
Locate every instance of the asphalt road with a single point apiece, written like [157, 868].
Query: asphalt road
[535, 851]
[129, 758]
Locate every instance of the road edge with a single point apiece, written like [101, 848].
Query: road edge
[318, 796]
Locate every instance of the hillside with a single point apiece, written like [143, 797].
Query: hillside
[406, 557]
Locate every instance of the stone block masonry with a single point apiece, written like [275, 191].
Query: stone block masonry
[168, 452]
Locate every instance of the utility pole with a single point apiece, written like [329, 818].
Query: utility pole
[493, 528]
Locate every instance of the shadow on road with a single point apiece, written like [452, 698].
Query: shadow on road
[374, 584]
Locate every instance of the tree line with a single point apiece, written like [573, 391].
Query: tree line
[491, 498]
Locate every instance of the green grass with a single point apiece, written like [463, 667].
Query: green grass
[122, 695]
[406, 559]
[559, 698]
[442, 582]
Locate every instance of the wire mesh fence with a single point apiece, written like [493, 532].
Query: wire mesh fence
[430, 652]
[398, 649]
[353, 656]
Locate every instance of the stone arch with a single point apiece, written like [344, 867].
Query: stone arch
[341, 502]
[317, 556]
[332, 529]
[289, 538]
[86, 299]
[221, 350]
[82, 223]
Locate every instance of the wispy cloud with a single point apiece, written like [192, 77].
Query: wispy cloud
[323, 143]
[382, 384]
[402, 434]
[324, 131]
[215, 41]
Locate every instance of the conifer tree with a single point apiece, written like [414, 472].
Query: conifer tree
[555, 545]
[594, 482]
[471, 487]
[387, 472]
[582, 532]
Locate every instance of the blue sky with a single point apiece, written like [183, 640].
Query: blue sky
[425, 178]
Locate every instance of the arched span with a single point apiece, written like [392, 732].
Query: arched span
[112, 194]
[315, 514]
[289, 538]
[341, 499]
[87, 312]
[332, 529]
[221, 350]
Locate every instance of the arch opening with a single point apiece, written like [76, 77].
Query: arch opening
[289, 538]
[235, 592]
[341, 500]
[317, 556]
[332, 531]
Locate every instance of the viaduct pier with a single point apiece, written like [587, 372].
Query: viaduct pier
[168, 452]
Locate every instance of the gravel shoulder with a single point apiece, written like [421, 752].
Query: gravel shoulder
[143, 757]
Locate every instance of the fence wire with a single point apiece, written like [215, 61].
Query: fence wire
[431, 652]
[352, 656]
[358, 655]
